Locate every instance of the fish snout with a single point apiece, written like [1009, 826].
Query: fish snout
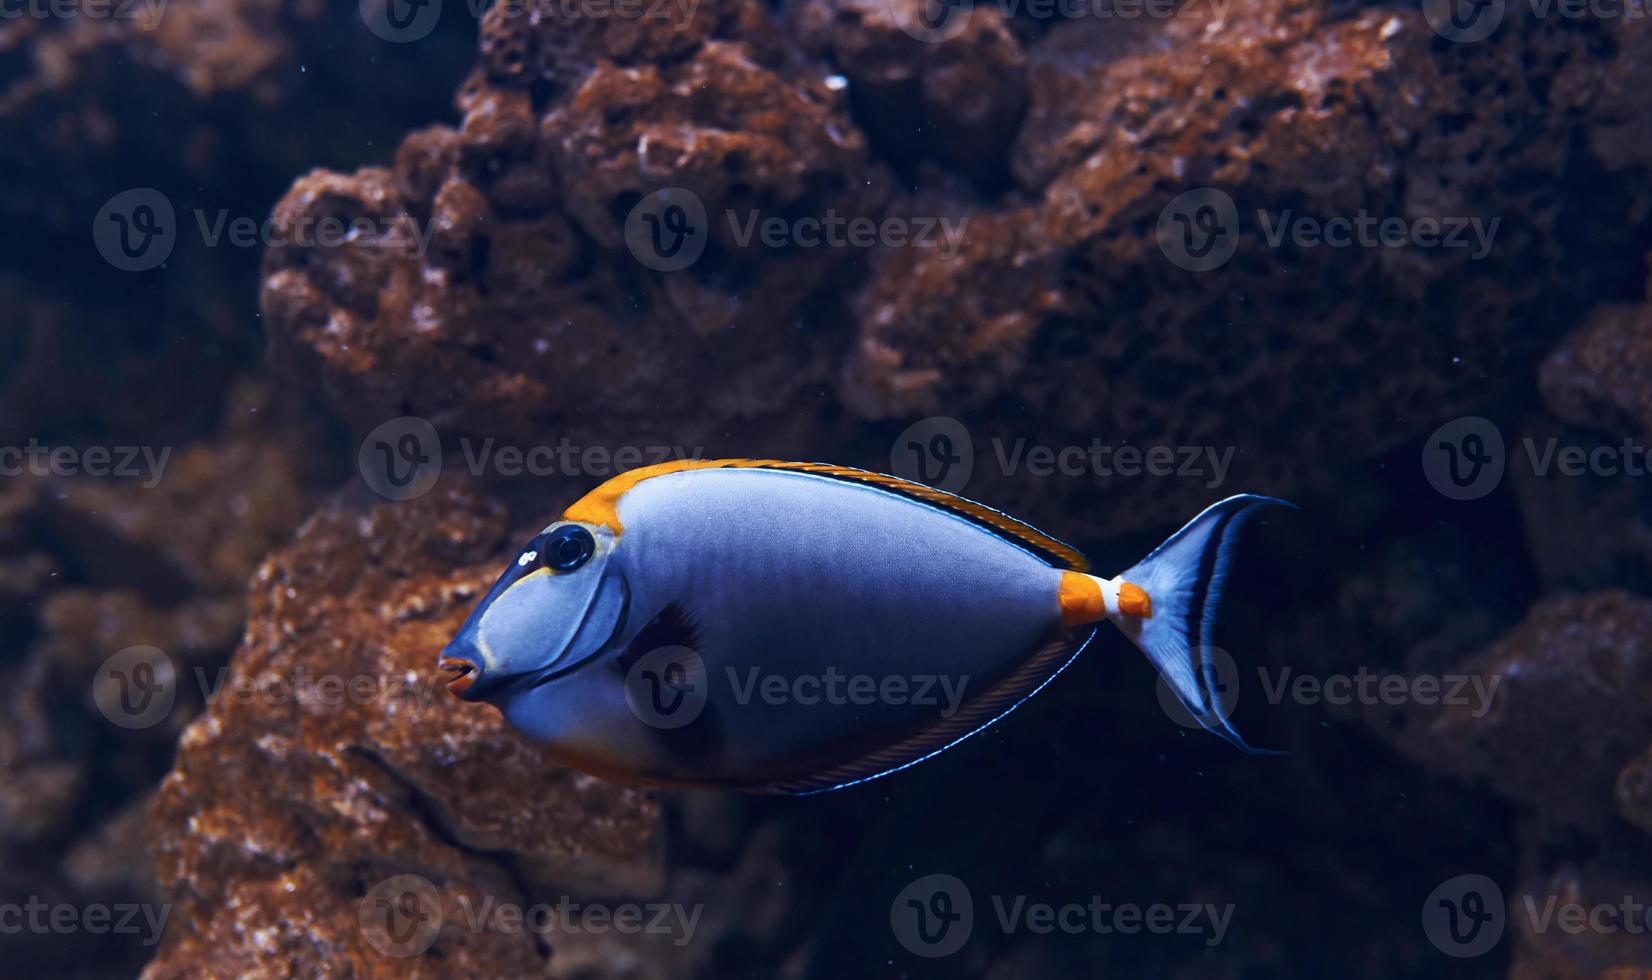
[462, 672]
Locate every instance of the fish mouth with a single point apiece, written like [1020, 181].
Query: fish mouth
[463, 674]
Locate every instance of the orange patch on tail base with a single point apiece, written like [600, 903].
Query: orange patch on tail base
[1081, 599]
[1134, 601]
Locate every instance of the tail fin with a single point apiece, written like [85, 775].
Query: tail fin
[1184, 580]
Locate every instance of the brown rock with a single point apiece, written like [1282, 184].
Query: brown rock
[1635, 791]
[1574, 924]
[1569, 712]
[207, 512]
[953, 90]
[1060, 321]
[527, 310]
[283, 812]
[90, 567]
[1585, 532]
[42, 335]
[543, 44]
[1287, 111]
[114, 859]
[1601, 376]
[72, 137]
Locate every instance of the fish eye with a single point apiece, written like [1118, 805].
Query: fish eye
[567, 548]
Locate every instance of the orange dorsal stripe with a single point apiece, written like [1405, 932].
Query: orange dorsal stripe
[601, 506]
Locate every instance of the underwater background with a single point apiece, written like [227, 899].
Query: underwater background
[312, 312]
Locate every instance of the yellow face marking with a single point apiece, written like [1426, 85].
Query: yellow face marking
[489, 662]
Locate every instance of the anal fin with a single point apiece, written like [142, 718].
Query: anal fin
[974, 716]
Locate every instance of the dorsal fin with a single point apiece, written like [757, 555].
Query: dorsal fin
[601, 506]
[1052, 550]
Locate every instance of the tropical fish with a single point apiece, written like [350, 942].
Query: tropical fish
[779, 627]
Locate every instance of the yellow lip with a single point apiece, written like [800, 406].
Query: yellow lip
[464, 674]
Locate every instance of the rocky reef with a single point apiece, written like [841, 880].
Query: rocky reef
[385, 779]
[310, 801]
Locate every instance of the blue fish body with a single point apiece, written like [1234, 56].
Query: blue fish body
[792, 628]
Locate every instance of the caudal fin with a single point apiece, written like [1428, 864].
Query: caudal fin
[1184, 579]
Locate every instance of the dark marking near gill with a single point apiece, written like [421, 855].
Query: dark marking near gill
[673, 626]
[676, 626]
